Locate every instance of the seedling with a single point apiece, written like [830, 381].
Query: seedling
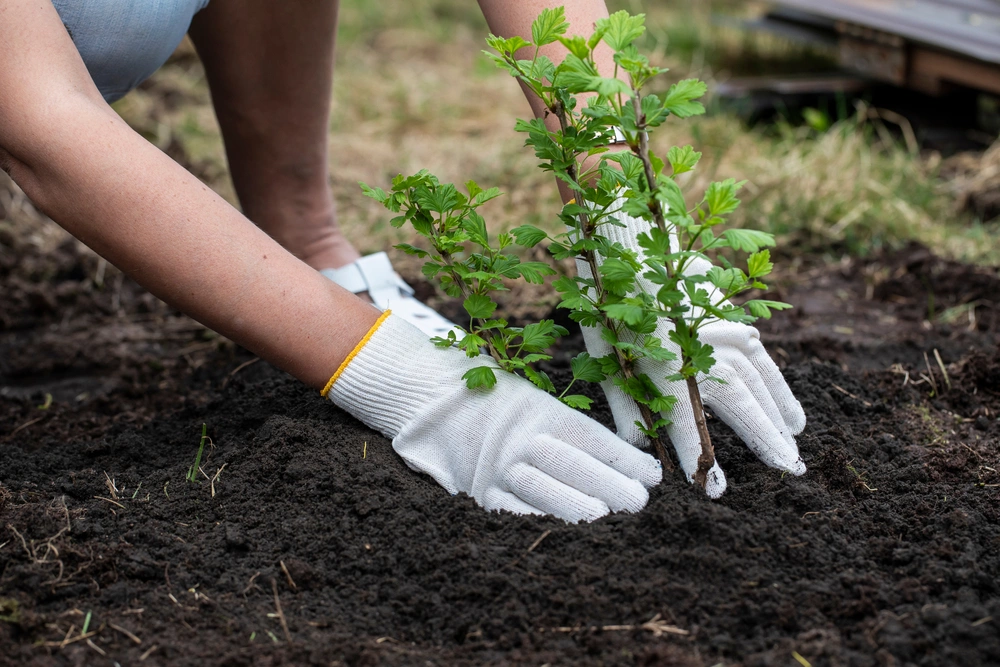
[633, 297]
[192, 473]
[467, 265]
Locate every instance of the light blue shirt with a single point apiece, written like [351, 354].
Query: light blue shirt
[124, 41]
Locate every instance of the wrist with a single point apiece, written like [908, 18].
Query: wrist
[394, 374]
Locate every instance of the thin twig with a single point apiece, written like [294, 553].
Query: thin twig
[238, 369]
[291, 582]
[125, 632]
[944, 371]
[281, 614]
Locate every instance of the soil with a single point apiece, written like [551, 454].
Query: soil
[316, 545]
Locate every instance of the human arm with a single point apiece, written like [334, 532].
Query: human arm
[132, 204]
[117, 193]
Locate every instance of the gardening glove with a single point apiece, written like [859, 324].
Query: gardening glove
[511, 447]
[755, 400]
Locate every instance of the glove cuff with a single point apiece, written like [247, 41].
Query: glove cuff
[392, 374]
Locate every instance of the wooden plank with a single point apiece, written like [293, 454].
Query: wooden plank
[967, 27]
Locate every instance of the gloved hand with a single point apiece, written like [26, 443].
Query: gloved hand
[511, 447]
[755, 400]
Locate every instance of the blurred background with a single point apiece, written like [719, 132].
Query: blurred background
[840, 158]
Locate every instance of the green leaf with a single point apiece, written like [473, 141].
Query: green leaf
[763, 307]
[479, 306]
[586, 368]
[683, 159]
[411, 250]
[540, 379]
[721, 196]
[621, 29]
[653, 110]
[577, 401]
[747, 240]
[759, 264]
[528, 235]
[480, 377]
[630, 313]
[727, 280]
[619, 276]
[471, 343]
[657, 425]
[680, 98]
[670, 193]
[535, 272]
[630, 164]
[378, 194]
[549, 25]
[484, 196]
[540, 335]
[576, 45]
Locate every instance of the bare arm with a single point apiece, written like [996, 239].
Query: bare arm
[121, 196]
[508, 19]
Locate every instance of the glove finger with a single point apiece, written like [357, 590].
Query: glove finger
[600, 443]
[496, 499]
[757, 388]
[788, 405]
[586, 474]
[736, 406]
[540, 490]
[683, 433]
[626, 413]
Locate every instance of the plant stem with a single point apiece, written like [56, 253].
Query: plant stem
[707, 457]
[457, 279]
[624, 363]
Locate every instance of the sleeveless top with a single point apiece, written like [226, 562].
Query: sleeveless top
[124, 41]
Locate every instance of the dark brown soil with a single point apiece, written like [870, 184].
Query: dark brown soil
[887, 552]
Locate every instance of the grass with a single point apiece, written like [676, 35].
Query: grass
[412, 90]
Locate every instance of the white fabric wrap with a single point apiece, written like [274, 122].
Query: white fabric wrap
[511, 447]
[755, 400]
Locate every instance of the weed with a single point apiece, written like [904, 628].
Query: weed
[192, 473]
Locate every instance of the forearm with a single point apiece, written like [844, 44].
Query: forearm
[148, 216]
[508, 19]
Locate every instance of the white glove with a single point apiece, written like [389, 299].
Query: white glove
[755, 400]
[511, 447]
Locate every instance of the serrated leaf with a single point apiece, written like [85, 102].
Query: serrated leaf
[653, 110]
[747, 240]
[539, 336]
[576, 45]
[411, 250]
[759, 264]
[540, 379]
[630, 313]
[586, 368]
[680, 98]
[479, 306]
[577, 401]
[621, 29]
[721, 196]
[535, 272]
[378, 194]
[485, 195]
[528, 235]
[683, 159]
[763, 307]
[480, 377]
[549, 25]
